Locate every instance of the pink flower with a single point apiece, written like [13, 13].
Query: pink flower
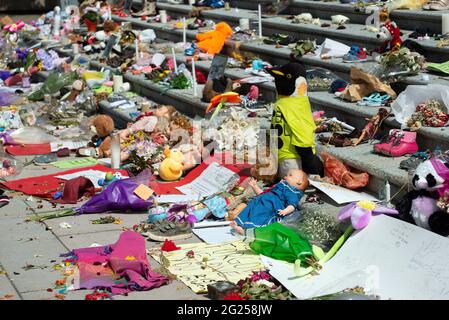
[14, 27]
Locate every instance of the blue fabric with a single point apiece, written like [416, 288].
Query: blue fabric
[217, 206]
[263, 209]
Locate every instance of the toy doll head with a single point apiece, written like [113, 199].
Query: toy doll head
[297, 178]
[165, 111]
[286, 76]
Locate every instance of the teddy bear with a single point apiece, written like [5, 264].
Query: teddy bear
[391, 34]
[101, 143]
[420, 206]
[171, 167]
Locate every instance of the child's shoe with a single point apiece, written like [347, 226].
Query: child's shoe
[399, 143]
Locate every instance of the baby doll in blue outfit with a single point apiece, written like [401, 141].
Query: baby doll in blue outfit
[271, 206]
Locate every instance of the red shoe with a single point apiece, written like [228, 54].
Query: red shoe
[398, 144]
[13, 80]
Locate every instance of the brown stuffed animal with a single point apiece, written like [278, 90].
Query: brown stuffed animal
[104, 125]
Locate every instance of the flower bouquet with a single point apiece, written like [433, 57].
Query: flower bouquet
[432, 113]
[118, 196]
[260, 286]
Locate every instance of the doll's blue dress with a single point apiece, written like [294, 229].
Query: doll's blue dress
[263, 209]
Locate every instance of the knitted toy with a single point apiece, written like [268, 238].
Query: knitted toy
[391, 34]
[213, 41]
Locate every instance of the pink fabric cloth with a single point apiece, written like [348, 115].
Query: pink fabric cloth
[121, 267]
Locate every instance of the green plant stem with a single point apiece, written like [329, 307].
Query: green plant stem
[328, 255]
[46, 215]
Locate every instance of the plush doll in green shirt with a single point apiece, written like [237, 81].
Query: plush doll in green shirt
[292, 118]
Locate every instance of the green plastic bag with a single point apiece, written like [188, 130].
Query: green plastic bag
[280, 242]
[53, 83]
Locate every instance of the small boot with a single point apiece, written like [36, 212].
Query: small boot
[148, 9]
[398, 143]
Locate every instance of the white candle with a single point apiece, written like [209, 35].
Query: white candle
[115, 150]
[174, 59]
[445, 23]
[387, 191]
[195, 94]
[109, 13]
[98, 6]
[75, 49]
[136, 43]
[118, 82]
[163, 16]
[260, 21]
[244, 24]
[184, 37]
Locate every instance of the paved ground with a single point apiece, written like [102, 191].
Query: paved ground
[41, 244]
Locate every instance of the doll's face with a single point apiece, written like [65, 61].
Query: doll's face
[297, 178]
[162, 112]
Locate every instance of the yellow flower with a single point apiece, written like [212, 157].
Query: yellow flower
[365, 204]
[130, 258]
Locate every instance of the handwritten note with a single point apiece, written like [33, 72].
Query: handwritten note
[211, 181]
[389, 258]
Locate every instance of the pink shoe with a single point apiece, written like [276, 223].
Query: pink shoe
[398, 144]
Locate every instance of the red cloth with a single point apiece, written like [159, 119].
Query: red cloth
[46, 186]
[170, 187]
[28, 149]
[75, 189]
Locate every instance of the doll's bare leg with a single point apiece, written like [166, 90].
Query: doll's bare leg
[237, 228]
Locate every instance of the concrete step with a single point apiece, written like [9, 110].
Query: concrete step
[277, 55]
[406, 19]
[353, 34]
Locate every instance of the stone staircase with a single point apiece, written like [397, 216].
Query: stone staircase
[359, 158]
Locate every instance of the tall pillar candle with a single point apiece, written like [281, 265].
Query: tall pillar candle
[163, 16]
[136, 43]
[260, 21]
[117, 80]
[174, 59]
[445, 23]
[184, 36]
[115, 150]
[195, 94]
[244, 24]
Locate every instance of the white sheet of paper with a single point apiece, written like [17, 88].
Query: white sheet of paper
[175, 198]
[217, 235]
[332, 48]
[210, 223]
[55, 146]
[389, 258]
[212, 180]
[92, 175]
[341, 195]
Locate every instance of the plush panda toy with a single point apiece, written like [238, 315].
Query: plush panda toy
[419, 206]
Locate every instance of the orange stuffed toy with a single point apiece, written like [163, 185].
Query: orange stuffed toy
[213, 41]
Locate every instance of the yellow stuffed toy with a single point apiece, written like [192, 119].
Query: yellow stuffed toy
[172, 166]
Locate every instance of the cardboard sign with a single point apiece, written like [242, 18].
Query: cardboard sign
[144, 192]
[218, 66]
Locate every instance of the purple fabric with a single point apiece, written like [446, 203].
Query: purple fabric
[118, 196]
[7, 98]
[121, 267]
[4, 74]
[7, 140]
